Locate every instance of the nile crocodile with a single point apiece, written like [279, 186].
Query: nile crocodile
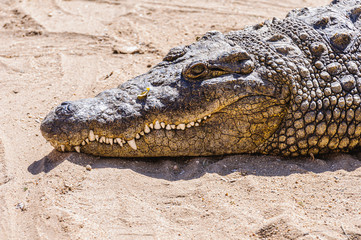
[284, 87]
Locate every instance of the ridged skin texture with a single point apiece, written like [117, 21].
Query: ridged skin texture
[284, 87]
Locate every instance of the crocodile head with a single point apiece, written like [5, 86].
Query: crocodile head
[209, 98]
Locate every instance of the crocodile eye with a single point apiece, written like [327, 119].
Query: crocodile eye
[196, 70]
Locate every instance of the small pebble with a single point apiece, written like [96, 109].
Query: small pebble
[21, 206]
[175, 168]
[126, 50]
[88, 167]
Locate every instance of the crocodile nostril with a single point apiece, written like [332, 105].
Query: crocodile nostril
[65, 108]
[65, 103]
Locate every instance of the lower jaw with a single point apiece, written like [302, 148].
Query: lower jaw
[143, 150]
[159, 145]
[115, 151]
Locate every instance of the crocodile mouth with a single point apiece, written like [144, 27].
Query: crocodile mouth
[96, 141]
[94, 137]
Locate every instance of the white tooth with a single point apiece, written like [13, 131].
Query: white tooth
[146, 129]
[106, 140]
[137, 136]
[151, 125]
[91, 136]
[199, 120]
[83, 143]
[197, 124]
[205, 118]
[77, 148]
[111, 141]
[97, 138]
[181, 126]
[168, 127]
[62, 148]
[132, 144]
[209, 115]
[162, 124]
[123, 141]
[119, 141]
[102, 139]
[141, 133]
[191, 123]
[157, 125]
[87, 141]
[173, 126]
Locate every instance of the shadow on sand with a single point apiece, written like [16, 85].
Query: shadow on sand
[185, 168]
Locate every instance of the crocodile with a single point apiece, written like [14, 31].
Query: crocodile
[287, 87]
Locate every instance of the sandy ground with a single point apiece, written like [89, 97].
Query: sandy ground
[54, 51]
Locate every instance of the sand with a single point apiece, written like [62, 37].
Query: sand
[53, 51]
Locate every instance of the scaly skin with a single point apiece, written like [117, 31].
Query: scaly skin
[288, 87]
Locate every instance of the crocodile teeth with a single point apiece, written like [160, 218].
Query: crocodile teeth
[181, 126]
[91, 136]
[146, 129]
[62, 147]
[119, 141]
[157, 125]
[77, 148]
[132, 144]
